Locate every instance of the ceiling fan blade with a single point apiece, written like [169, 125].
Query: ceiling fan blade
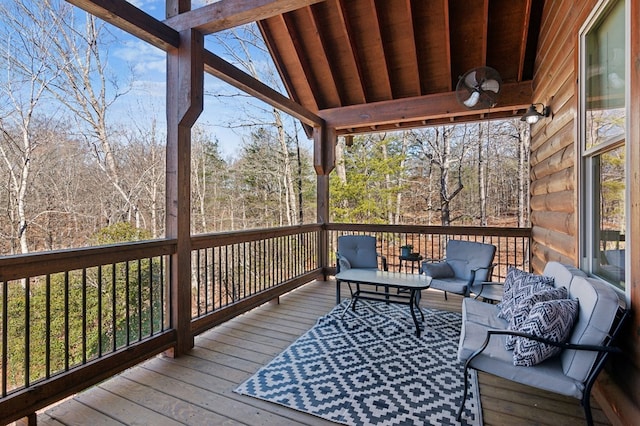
[470, 80]
[472, 100]
[491, 85]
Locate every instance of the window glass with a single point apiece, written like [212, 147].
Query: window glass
[605, 78]
[604, 159]
[609, 205]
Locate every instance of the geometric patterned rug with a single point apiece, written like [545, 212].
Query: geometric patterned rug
[369, 368]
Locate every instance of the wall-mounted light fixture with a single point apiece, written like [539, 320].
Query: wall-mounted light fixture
[532, 115]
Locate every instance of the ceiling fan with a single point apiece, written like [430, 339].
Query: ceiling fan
[479, 88]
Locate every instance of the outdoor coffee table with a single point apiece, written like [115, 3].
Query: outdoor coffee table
[401, 282]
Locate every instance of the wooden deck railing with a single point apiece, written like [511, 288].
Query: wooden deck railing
[236, 271]
[72, 318]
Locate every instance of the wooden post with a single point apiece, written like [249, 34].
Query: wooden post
[324, 161]
[185, 75]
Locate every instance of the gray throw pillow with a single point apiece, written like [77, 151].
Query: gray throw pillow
[437, 270]
[344, 263]
[519, 285]
[552, 320]
[521, 312]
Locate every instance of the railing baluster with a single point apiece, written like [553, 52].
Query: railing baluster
[139, 309]
[5, 335]
[27, 330]
[114, 307]
[84, 315]
[100, 313]
[47, 337]
[66, 321]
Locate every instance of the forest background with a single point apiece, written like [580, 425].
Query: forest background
[82, 147]
[82, 158]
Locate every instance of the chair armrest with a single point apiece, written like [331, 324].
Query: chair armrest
[488, 268]
[487, 284]
[563, 345]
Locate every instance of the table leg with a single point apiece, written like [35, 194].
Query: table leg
[337, 292]
[412, 302]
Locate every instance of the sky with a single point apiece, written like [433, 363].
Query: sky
[221, 108]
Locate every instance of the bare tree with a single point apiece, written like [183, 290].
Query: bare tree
[27, 75]
[437, 149]
[524, 147]
[144, 170]
[83, 85]
[403, 161]
[209, 183]
[239, 43]
[482, 179]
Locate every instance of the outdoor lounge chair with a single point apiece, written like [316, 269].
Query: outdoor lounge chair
[358, 251]
[467, 264]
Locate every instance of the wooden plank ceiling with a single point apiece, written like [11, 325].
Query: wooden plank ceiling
[367, 65]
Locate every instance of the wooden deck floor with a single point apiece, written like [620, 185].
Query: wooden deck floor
[197, 389]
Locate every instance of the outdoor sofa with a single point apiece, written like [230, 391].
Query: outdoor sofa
[572, 372]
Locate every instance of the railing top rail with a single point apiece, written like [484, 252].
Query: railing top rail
[425, 229]
[217, 239]
[35, 264]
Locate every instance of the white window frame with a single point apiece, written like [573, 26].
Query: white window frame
[584, 164]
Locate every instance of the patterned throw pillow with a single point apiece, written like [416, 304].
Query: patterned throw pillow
[552, 320]
[521, 312]
[517, 286]
[437, 270]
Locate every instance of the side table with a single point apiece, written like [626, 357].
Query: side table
[412, 259]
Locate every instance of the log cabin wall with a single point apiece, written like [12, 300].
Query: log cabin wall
[554, 180]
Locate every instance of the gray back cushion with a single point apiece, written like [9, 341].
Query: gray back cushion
[360, 250]
[598, 305]
[463, 256]
[562, 274]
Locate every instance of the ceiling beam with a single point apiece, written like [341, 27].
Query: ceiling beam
[352, 50]
[512, 96]
[447, 42]
[129, 18]
[485, 32]
[322, 59]
[444, 121]
[226, 14]
[228, 73]
[413, 49]
[523, 40]
[376, 34]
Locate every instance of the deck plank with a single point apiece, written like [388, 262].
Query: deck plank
[72, 412]
[197, 388]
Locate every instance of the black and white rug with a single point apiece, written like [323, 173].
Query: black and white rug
[369, 368]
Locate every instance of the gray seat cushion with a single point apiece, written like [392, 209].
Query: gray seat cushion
[547, 375]
[462, 257]
[451, 285]
[478, 317]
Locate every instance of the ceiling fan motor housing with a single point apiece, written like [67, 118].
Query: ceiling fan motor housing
[479, 88]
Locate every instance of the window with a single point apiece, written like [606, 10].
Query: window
[603, 147]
